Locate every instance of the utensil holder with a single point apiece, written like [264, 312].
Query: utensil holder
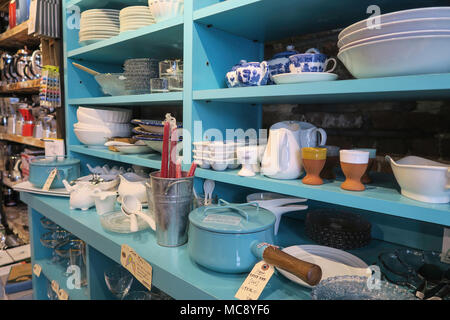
[172, 202]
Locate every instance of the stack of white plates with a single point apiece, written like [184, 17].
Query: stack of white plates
[98, 24]
[407, 42]
[135, 17]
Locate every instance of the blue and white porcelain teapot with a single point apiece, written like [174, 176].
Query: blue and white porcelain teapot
[280, 62]
[246, 74]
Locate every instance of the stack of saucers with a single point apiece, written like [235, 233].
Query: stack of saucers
[138, 73]
[135, 17]
[98, 24]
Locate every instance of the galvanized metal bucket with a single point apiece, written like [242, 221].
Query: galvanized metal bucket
[171, 202]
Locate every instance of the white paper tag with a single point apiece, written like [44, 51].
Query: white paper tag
[54, 147]
[137, 266]
[255, 282]
[222, 219]
[37, 269]
[50, 179]
[55, 286]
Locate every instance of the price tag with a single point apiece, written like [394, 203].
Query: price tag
[62, 295]
[37, 269]
[55, 286]
[137, 266]
[255, 282]
[50, 179]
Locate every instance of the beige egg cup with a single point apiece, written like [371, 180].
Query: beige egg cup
[353, 163]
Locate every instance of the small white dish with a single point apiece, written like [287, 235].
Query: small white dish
[134, 149]
[287, 78]
[221, 165]
[202, 162]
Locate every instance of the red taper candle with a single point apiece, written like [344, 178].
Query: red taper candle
[165, 150]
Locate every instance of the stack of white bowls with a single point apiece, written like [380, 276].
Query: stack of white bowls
[96, 126]
[135, 17]
[166, 9]
[407, 42]
[98, 24]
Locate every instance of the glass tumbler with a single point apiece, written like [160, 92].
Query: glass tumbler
[169, 68]
[77, 257]
[159, 85]
[175, 83]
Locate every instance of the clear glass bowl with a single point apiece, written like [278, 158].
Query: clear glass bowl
[356, 288]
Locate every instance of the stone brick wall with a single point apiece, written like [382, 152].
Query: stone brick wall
[397, 128]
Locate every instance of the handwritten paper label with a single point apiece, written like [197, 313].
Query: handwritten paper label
[137, 266]
[50, 179]
[37, 269]
[255, 282]
[55, 286]
[62, 295]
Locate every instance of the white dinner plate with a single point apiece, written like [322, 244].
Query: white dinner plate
[430, 12]
[397, 26]
[287, 78]
[398, 57]
[326, 258]
[26, 186]
[122, 21]
[99, 31]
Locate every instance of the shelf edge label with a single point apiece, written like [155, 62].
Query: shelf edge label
[256, 281]
[136, 265]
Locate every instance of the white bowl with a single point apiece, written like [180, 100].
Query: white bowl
[134, 149]
[398, 35]
[224, 146]
[157, 145]
[163, 10]
[398, 57]
[422, 179]
[203, 162]
[221, 165]
[118, 115]
[396, 26]
[430, 12]
[114, 129]
[354, 156]
[91, 138]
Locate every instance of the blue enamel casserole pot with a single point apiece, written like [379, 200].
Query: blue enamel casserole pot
[40, 168]
[232, 238]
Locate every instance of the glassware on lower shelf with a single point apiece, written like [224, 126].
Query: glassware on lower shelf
[175, 83]
[158, 85]
[118, 280]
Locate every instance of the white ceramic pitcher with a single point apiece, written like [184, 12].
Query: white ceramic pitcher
[282, 157]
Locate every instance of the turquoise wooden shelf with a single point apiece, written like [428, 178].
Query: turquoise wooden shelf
[431, 86]
[152, 160]
[166, 40]
[170, 98]
[267, 20]
[173, 270]
[211, 37]
[383, 198]
[55, 272]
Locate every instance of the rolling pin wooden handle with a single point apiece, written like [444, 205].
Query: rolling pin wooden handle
[79, 66]
[308, 272]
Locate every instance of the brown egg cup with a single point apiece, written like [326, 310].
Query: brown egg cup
[366, 179]
[328, 169]
[313, 169]
[353, 173]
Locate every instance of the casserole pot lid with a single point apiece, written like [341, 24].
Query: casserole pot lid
[232, 218]
[54, 161]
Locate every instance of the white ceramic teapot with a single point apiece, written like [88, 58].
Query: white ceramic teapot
[282, 157]
[133, 184]
[81, 195]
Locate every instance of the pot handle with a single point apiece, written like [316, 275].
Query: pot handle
[170, 185]
[308, 272]
[230, 206]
